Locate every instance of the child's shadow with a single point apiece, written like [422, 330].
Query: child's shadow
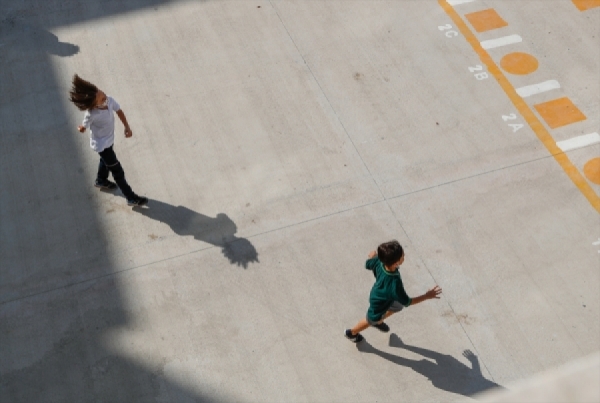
[218, 231]
[445, 371]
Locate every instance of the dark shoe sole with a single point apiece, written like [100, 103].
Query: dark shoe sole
[141, 201]
[112, 186]
[382, 327]
[356, 339]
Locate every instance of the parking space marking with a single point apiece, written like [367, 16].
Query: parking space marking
[457, 2]
[485, 20]
[559, 112]
[584, 5]
[591, 170]
[596, 243]
[502, 41]
[519, 63]
[532, 120]
[535, 89]
[579, 141]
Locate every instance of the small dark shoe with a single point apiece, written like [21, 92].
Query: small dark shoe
[106, 185]
[137, 201]
[357, 338]
[382, 327]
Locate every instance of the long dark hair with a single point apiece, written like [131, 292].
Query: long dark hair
[83, 93]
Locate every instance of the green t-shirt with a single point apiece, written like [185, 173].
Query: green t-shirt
[387, 289]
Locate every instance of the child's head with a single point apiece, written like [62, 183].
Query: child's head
[85, 95]
[390, 253]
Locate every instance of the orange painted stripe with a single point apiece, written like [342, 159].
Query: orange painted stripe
[524, 109]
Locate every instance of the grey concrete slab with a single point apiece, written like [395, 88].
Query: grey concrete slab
[280, 142]
[397, 96]
[550, 32]
[512, 261]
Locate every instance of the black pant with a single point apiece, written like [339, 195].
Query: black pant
[110, 163]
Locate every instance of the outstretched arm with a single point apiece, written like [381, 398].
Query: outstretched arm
[121, 115]
[431, 294]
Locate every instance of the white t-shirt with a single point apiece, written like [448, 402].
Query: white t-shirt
[101, 123]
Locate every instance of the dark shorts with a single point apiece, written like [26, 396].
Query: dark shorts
[395, 307]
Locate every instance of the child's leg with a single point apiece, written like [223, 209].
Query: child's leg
[102, 172]
[388, 314]
[365, 323]
[114, 166]
[395, 307]
[381, 325]
[360, 326]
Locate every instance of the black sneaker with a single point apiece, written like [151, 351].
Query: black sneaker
[357, 338]
[105, 185]
[137, 201]
[382, 327]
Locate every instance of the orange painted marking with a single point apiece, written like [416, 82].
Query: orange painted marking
[486, 20]
[538, 128]
[559, 112]
[519, 63]
[583, 5]
[591, 169]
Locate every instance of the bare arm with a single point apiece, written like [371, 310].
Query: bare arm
[431, 294]
[121, 115]
[85, 123]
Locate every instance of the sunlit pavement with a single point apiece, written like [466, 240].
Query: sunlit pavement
[279, 143]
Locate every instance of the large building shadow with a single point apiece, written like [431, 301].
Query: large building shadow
[444, 371]
[219, 231]
[58, 298]
[19, 36]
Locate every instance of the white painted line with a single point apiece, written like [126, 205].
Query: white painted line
[457, 2]
[530, 90]
[503, 41]
[579, 141]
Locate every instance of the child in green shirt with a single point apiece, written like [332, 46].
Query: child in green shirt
[387, 295]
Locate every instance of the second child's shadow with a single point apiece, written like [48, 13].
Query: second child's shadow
[444, 371]
[219, 231]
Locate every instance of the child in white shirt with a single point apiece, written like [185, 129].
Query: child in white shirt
[100, 120]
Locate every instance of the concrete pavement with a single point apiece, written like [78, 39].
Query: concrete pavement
[279, 143]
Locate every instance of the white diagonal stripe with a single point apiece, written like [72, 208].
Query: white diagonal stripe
[503, 41]
[530, 90]
[579, 141]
